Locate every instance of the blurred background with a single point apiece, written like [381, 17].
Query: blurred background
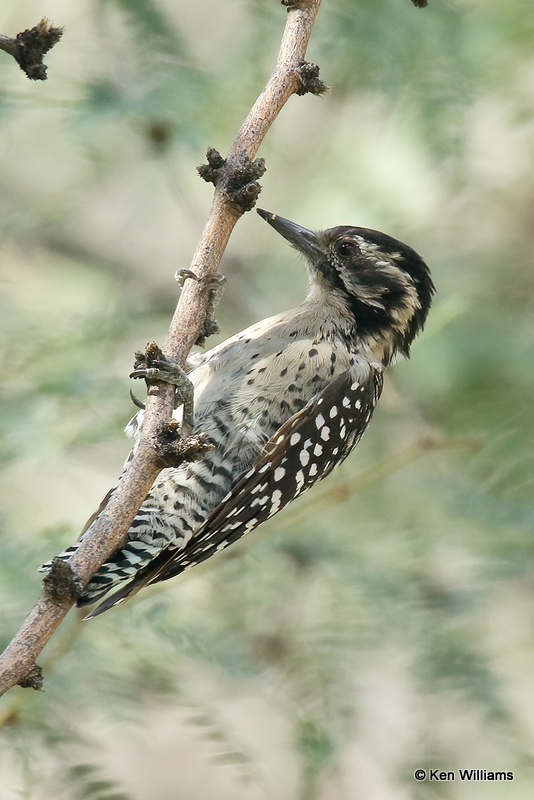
[385, 622]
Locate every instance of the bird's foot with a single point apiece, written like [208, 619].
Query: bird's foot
[153, 366]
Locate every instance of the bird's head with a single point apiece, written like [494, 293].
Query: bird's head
[383, 286]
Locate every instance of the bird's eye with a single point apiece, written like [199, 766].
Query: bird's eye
[346, 248]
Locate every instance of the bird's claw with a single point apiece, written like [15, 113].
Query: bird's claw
[152, 366]
[213, 281]
[181, 275]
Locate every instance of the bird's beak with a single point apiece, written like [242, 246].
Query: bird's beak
[305, 241]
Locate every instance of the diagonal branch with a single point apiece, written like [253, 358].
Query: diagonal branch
[235, 191]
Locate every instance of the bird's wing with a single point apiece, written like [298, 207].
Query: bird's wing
[302, 451]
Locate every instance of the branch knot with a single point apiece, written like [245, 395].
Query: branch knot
[30, 46]
[309, 81]
[236, 179]
[172, 449]
[33, 679]
[144, 361]
[61, 583]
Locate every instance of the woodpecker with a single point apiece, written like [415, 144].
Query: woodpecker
[283, 403]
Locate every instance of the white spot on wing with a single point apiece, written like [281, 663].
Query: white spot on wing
[276, 500]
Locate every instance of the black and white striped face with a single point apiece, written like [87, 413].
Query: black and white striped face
[385, 285]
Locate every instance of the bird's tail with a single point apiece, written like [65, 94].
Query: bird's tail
[120, 566]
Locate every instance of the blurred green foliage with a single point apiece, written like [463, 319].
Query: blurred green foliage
[385, 622]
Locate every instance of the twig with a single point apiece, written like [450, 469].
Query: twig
[236, 189]
[30, 46]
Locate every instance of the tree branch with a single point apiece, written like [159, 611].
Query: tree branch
[235, 191]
